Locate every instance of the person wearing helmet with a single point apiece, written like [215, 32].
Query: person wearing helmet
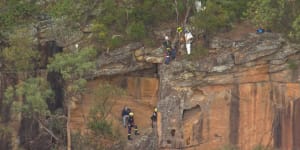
[167, 42]
[131, 125]
[154, 117]
[179, 29]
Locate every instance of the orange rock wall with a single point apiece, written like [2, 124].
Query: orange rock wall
[143, 89]
[265, 109]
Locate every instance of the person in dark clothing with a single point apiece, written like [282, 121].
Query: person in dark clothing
[154, 117]
[167, 58]
[131, 124]
[173, 53]
[167, 42]
[125, 115]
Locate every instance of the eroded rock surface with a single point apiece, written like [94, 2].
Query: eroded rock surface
[247, 94]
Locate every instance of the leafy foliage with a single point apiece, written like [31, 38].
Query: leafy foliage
[278, 15]
[136, 31]
[295, 33]
[36, 92]
[217, 15]
[101, 127]
[14, 12]
[63, 8]
[198, 52]
[20, 55]
[265, 13]
[292, 64]
[212, 19]
[73, 65]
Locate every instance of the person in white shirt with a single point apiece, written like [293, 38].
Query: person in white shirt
[188, 41]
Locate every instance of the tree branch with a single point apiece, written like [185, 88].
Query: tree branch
[48, 130]
[187, 15]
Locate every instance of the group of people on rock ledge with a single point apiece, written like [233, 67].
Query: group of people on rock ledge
[128, 121]
[171, 51]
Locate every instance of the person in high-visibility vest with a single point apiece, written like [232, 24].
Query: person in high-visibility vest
[131, 125]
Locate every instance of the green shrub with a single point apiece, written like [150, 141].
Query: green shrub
[295, 34]
[101, 127]
[136, 31]
[115, 42]
[14, 12]
[197, 52]
[292, 64]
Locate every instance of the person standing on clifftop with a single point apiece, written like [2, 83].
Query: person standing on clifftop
[188, 41]
[167, 42]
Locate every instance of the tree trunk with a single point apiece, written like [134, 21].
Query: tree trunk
[16, 118]
[177, 12]
[69, 140]
[187, 15]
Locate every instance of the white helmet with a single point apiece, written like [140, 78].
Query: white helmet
[166, 38]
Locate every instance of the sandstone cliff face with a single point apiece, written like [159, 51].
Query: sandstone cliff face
[247, 94]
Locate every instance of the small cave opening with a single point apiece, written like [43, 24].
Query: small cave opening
[47, 50]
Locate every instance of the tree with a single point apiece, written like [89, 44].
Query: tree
[73, 67]
[295, 33]
[33, 95]
[20, 55]
[266, 13]
[210, 20]
[218, 15]
[105, 97]
[16, 12]
[36, 92]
